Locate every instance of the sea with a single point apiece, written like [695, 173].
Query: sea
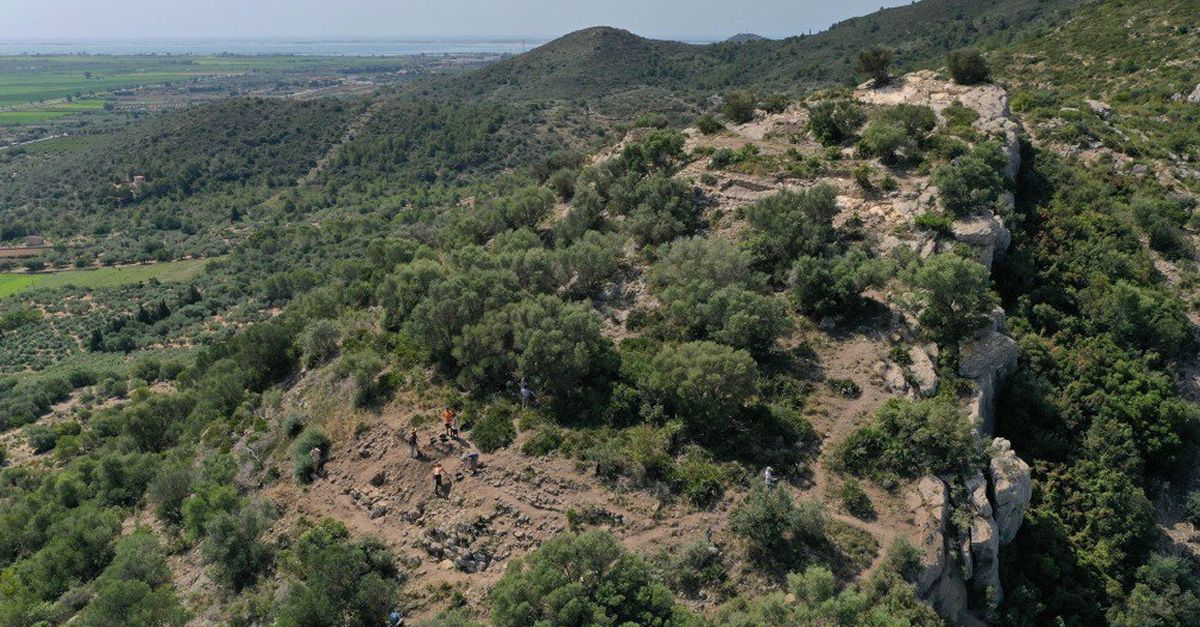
[271, 46]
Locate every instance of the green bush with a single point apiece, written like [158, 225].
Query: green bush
[856, 501]
[834, 121]
[319, 342]
[542, 442]
[776, 530]
[956, 295]
[340, 581]
[790, 224]
[968, 183]
[168, 491]
[738, 107]
[494, 430]
[41, 438]
[293, 423]
[910, 439]
[934, 222]
[135, 589]
[303, 466]
[576, 579]
[776, 103]
[883, 140]
[233, 548]
[875, 63]
[968, 67]
[709, 124]
[694, 567]
[1191, 508]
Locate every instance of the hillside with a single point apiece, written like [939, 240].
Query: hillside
[915, 352]
[603, 63]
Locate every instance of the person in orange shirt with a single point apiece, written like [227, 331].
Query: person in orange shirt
[448, 419]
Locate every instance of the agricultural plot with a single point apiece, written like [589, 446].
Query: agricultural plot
[14, 283]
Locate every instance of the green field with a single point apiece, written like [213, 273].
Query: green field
[13, 283]
[39, 113]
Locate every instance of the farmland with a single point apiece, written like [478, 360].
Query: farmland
[14, 283]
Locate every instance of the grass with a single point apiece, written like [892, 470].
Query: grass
[14, 283]
[37, 114]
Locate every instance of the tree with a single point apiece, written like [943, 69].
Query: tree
[883, 139]
[738, 106]
[233, 548]
[790, 224]
[319, 342]
[341, 581]
[875, 62]
[968, 183]
[135, 589]
[968, 67]
[909, 439]
[834, 121]
[777, 530]
[955, 295]
[581, 579]
[704, 383]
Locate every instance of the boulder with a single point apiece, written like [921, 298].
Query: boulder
[930, 507]
[1194, 97]
[985, 553]
[1011, 487]
[986, 233]
[987, 359]
[924, 374]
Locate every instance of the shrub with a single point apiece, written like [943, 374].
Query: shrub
[910, 439]
[824, 286]
[875, 62]
[293, 424]
[776, 103]
[834, 121]
[543, 442]
[738, 107]
[319, 342]
[957, 297]
[168, 491]
[563, 184]
[854, 498]
[705, 384]
[696, 566]
[586, 578]
[135, 589]
[915, 120]
[494, 430]
[790, 224]
[968, 67]
[883, 139]
[1191, 508]
[775, 529]
[968, 183]
[341, 581]
[844, 387]
[41, 437]
[934, 222]
[303, 466]
[709, 124]
[232, 546]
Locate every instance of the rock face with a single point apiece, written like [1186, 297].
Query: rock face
[986, 233]
[987, 359]
[925, 88]
[924, 375]
[1012, 488]
[938, 581]
[1195, 95]
[991, 504]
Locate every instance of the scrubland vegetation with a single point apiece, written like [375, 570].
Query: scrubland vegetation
[451, 251]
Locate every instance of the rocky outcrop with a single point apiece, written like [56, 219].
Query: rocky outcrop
[937, 582]
[985, 233]
[1011, 489]
[1195, 95]
[987, 359]
[989, 506]
[924, 375]
[926, 88]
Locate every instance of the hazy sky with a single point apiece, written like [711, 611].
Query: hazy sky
[49, 19]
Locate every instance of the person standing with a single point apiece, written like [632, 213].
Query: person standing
[769, 477]
[413, 449]
[315, 454]
[448, 419]
[437, 479]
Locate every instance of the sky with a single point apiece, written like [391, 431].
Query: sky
[175, 19]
